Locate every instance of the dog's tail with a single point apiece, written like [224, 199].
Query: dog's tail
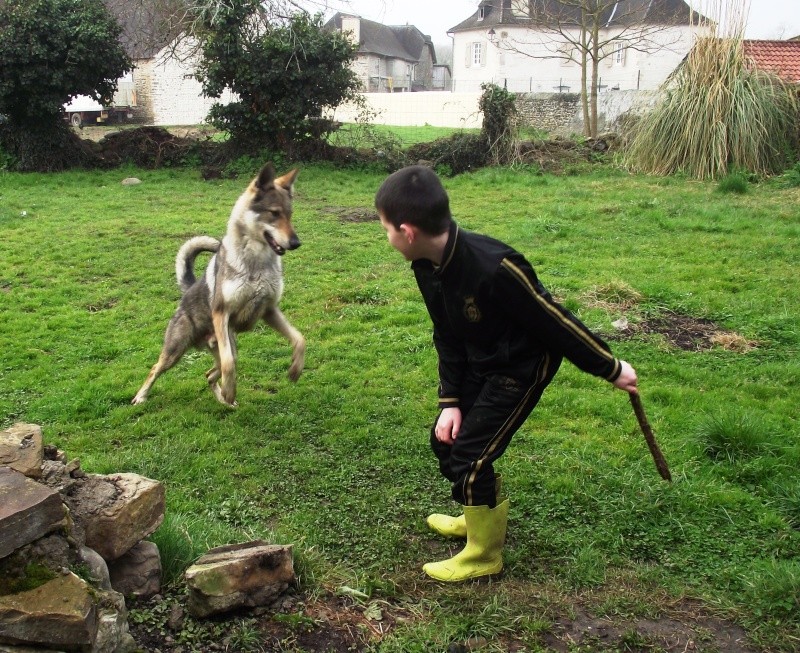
[184, 263]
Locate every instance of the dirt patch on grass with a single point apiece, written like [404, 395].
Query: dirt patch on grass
[683, 630]
[330, 624]
[336, 624]
[678, 329]
[684, 332]
[695, 334]
[349, 214]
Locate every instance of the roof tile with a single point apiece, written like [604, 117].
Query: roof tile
[781, 57]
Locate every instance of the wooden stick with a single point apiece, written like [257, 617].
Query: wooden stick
[658, 457]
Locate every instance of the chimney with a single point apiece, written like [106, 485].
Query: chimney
[352, 24]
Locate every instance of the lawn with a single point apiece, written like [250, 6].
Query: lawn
[338, 464]
[361, 135]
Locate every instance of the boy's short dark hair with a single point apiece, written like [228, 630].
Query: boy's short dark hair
[414, 195]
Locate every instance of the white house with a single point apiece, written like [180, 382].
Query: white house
[520, 45]
[161, 89]
[390, 58]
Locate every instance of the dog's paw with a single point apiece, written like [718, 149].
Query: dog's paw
[294, 373]
[138, 400]
[217, 390]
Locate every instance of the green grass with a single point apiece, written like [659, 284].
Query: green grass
[356, 135]
[338, 464]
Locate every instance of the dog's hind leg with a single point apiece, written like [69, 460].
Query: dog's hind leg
[225, 389]
[278, 321]
[212, 375]
[176, 341]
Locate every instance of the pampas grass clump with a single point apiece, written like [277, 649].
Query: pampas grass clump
[719, 114]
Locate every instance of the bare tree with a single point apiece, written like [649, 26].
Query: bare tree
[150, 25]
[588, 31]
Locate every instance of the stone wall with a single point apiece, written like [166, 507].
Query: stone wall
[561, 113]
[142, 77]
[548, 111]
[71, 548]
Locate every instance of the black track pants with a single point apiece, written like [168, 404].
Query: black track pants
[492, 410]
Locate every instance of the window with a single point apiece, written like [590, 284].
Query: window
[475, 55]
[618, 54]
[521, 8]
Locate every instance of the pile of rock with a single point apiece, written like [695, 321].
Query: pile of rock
[56, 520]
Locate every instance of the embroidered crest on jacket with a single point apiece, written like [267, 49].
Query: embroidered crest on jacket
[471, 310]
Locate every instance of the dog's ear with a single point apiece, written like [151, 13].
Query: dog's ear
[287, 180]
[266, 177]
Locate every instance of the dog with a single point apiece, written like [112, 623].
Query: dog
[242, 284]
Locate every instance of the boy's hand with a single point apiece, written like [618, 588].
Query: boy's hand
[627, 379]
[448, 425]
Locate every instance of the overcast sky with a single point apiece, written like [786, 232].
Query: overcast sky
[768, 19]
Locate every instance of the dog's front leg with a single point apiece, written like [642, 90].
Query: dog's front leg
[278, 321]
[225, 390]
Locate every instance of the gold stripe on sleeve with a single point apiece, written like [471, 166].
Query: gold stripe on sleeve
[553, 311]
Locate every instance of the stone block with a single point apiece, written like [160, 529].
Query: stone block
[242, 575]
[61, 615]
[28, 511]
[21, 448]
[138, 572]
[132, 512]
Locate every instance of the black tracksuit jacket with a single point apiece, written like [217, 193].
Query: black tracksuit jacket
[491, 315]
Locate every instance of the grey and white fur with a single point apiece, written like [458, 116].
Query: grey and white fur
[242, 284]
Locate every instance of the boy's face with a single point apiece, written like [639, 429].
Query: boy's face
[399, 238]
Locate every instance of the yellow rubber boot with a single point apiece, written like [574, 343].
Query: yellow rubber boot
[483, 553]
[447, 525]
[457, 526]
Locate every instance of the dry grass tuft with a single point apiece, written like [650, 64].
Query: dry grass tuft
[616, 296]
[730, 341]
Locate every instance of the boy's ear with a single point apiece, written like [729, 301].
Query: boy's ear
[409, 231]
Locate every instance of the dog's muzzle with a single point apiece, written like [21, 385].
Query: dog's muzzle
[294, 243]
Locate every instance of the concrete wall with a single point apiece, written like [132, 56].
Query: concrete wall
[167, 93]
[440, 109]
[553, 112]
[176, 96]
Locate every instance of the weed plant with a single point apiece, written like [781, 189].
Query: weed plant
[734, 182]
[791, 178]
[734, 435]
[338, 464]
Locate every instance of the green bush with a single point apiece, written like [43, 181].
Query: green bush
[457, 154]
[51, 51]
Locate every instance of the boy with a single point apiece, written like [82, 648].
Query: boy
[500, 338]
